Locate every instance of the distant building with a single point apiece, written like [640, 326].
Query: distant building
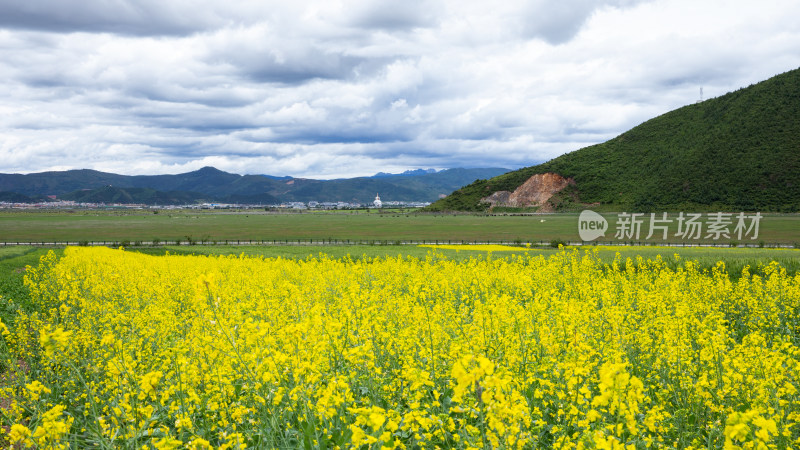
[378, 203]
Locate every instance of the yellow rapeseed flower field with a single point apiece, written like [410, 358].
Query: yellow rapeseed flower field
[137, 351]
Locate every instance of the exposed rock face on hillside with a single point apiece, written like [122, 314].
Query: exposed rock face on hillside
[536, 191]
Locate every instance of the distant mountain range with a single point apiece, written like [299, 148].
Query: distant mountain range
[407, 173]
[737, 152]
[212, 185]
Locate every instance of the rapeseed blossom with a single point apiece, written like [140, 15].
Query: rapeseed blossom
[136, 351]
[20, 435]
[54, 341]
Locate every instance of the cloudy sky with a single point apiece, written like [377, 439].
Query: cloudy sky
[341, 88]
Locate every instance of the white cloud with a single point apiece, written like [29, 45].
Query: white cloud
[345, 88]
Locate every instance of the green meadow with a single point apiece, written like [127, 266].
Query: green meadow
[352, 226]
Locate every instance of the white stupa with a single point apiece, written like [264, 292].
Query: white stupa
[378, 203]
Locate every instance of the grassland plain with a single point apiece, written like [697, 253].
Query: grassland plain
[13, 264]
[167, 226]
[523, 351]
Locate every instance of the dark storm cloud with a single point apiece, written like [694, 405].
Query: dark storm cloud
[559, 22]
[396, 16]
[295, 67]
[143, 17]
[363, 136]
[212, 98]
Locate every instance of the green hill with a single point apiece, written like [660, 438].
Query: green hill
[13, 197]
[147, 196]
[738, 152]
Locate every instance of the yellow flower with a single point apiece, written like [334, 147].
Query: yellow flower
[54, 341]
[108, 340]
[593, 415]
[167, 443]
[36, 389]
[20, 434]
[200, 444]
[149, 381]
[52, 428]
[4, 329]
